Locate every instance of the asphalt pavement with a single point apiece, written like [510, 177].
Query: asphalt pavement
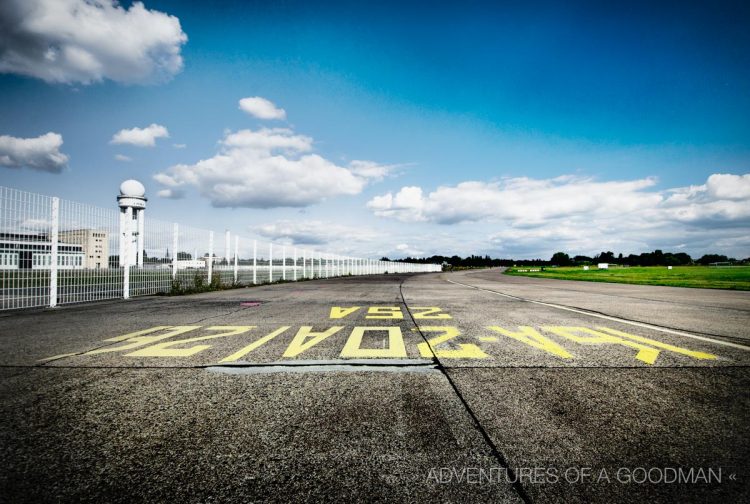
[470, 386]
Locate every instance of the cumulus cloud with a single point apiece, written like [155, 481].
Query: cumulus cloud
[524, 201]
[266, 168]
[405, 250]
[140, 137]
[171, 193]
[261, 108]
[313, 232]
[123, 158]
[531, 217]
[85, 41]
[41, 153]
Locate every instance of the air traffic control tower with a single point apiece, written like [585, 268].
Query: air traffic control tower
[132, 202]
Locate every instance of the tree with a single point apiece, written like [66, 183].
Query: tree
[560, 259]
[712, 258]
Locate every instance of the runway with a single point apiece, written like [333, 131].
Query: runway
[452, 387]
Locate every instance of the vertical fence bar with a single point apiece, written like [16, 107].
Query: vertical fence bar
[270, 263]
[227, 245]
[320, 264]
[236, 257]
[255, 262]
[294, 272]
[127, 237]
[54, 237]
[283, 262]
[175, 244]
[304, 260]
[210, 255]
[141, 236]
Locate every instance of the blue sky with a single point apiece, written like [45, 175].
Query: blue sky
[503, 128]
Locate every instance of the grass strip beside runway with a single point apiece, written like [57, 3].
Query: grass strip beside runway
[734, 278]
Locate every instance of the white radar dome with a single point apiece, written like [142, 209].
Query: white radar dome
[132, 189]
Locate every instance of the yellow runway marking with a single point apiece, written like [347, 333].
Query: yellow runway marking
[353, 347]
[165, 349]
[531, 337]
[464, 350]
[255, 344]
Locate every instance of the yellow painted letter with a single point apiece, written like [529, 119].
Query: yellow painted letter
[531, 337]
[396, 348]
[338, 312]
[464, 350]
[300, 343]
[645, 353]
[164, 350]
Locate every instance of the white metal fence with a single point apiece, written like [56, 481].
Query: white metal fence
[54, 251]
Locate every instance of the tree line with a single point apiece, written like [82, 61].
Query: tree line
[655, 258]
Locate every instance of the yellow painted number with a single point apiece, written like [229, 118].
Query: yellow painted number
[428, 312]
[140, 338]
[385, 312]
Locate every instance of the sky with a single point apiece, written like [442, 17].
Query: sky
[514, 129]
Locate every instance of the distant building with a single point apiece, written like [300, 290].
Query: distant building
[603, 266]
[76, 249]
[95, 246]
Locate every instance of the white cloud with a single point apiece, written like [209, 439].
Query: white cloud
[171, 193]
[727, 186]
[41, 153]
[266, 168]
[140, 137]
[523, 200]
[405, 250]
[123, 158]
[525, 217]
[88, 41]
[314, 232]
[262, 108]
[371, 170]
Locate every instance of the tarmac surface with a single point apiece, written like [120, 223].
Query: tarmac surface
[470, 386]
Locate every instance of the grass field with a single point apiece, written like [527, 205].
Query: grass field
[735, 278]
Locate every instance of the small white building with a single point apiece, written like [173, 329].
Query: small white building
[603, 266]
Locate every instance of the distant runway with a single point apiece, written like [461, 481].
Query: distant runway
[469, 386]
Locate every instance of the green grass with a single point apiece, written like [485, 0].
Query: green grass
[735, 278]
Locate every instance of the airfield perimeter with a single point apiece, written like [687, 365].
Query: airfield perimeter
[469, 386]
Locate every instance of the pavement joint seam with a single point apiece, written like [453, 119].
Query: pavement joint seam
[501, 459]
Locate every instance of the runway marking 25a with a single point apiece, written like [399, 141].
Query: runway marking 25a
[391, 312]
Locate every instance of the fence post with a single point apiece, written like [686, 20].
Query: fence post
[283, 262]
[304, 266]
[270, 263]
[141, 238]
[227, 245]
[255, 262]
[210, 255]
[236, 259]
[175, 244]
[127, 237]
[294, 272]
[320, 264]
[53, 252]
